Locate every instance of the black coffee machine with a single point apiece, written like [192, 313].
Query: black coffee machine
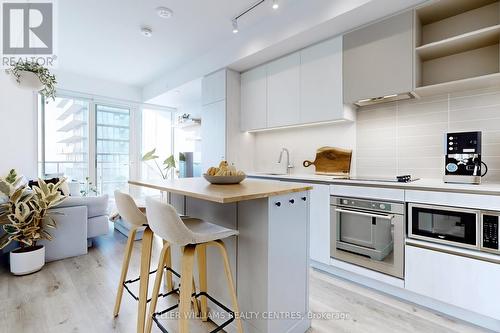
[463, 158]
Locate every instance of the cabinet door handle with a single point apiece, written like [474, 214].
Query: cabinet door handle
[278, 204]
[292, 201]
[304, 198]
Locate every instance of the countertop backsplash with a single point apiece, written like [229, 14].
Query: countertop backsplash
[302, 142]
[406, 137]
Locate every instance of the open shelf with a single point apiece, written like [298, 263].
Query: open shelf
[457, 46]
[465, 42]
[443, 9]
[473, 83]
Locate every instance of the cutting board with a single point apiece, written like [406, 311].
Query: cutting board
[331, 161]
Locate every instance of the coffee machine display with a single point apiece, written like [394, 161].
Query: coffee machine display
[463, 158]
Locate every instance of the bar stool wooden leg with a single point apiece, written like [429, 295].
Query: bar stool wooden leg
[230, 282]
[125, 264]
[156, 289]
[168, 262]
[196, 305]
[201, 252]
[147, 244]
[186, 286]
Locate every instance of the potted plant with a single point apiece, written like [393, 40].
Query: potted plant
[31, 75]
[168, 163]
[25, 218]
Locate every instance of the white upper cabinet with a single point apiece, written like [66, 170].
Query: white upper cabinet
[378, 59]
[302, 88]
[283, 91]
[213, 133]
[254, 99]
[213, 87]
[321, 82]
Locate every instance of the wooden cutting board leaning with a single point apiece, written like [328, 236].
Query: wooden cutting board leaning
[331, 161]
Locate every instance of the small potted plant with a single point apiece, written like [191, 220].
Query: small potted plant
[25, 218]
[31, 75]
[168, 164]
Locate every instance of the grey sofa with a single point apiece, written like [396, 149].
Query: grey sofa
[79, 220]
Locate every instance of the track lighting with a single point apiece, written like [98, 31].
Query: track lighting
[249, 9]
[235, 26]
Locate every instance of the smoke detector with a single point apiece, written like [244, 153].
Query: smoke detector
[164, 12]
[146, 31]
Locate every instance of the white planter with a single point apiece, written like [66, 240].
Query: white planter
[28, 80]
[24, 262]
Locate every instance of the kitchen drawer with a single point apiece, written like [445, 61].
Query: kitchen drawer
[376, 193]
[464, 282]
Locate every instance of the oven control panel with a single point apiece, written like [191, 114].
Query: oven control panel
[364, 204]
[490, 232]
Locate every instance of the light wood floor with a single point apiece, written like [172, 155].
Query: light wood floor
[77, 295]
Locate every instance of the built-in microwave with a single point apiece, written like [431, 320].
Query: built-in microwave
[467, 228]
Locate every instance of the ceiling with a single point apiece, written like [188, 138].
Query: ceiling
[102, 39]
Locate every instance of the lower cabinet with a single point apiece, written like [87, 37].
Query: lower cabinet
[460, 281]
[319, 220]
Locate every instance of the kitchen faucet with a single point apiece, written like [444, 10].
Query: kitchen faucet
[289, 166]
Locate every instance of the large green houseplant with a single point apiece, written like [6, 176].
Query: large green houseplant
[26, 218]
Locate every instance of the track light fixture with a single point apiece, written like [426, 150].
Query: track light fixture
[249, 9]
[235, 26]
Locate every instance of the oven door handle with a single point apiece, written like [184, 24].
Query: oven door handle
[355, 212]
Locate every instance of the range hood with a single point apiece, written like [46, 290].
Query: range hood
[385, 99]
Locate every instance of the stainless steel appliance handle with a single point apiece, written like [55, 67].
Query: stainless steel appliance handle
[355, 212]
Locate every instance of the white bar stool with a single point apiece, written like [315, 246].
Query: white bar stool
[129, 211]
[194, 235]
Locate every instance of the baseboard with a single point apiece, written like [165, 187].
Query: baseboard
[408, 296]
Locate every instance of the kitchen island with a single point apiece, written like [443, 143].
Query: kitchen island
[269, 258]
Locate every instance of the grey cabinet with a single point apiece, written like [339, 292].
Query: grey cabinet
[378, 59]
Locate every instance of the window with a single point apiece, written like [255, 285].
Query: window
[156, 134]
[64, 139]
[112, 148]
[80, 138]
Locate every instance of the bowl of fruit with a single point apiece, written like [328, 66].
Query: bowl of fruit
[224, 174]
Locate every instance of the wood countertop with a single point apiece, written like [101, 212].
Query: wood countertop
[199, 188]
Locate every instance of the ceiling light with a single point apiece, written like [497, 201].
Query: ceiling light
[164, 12]
[146, 31]
[235, 27]
[276, 5]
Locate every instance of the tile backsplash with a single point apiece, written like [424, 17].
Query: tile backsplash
[407, 137]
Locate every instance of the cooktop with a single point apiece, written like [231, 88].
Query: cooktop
[397, 179]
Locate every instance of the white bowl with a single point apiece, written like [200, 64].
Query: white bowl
[224, 179]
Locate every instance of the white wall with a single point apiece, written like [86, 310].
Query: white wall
[94, 86]
[18, 129]
[302, 143]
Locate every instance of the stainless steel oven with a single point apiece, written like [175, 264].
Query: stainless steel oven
[446, 225]
[368, 233]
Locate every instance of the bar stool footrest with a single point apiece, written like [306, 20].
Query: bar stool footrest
[197, 295]
[152, 272]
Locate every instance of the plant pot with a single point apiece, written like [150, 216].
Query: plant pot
[27, 260]
[29, 80]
